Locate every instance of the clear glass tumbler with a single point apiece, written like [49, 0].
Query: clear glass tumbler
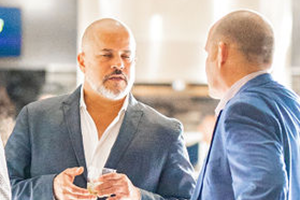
[93, 174]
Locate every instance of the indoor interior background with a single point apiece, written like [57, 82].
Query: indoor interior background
[170, 38]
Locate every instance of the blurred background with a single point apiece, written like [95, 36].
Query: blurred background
[39, 42]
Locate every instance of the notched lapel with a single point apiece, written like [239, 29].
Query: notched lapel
[72, 120]
[199, 187]
[127, 132]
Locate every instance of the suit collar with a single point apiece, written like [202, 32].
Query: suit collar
[127, 132]
[74, 97]
[235, 88]
[257, 81]
[72, 120]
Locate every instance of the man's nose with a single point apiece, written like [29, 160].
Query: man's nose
[118, 63]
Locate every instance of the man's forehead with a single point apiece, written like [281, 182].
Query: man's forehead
[109, 24]
[111, 42]
[109, 34]
[114, 36]
[113, 50]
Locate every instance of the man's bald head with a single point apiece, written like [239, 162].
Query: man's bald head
[108, 26]
[108, 59]
[250, 32]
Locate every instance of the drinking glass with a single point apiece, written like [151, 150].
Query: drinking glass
[93, 174]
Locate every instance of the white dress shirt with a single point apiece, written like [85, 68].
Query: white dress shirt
[235, 88]
[97, 151]
[5, 190]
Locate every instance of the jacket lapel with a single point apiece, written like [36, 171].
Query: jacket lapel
[198, 189]
[72, 120]
[127, 132]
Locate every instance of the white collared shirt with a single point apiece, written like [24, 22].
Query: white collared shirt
[235, 88]
[5, 190]
[97, 151]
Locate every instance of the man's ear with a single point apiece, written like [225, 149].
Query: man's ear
[222, 53]
[80, 59]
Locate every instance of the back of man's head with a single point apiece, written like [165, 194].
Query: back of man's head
[250, 32]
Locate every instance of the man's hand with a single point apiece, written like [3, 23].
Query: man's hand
[64, 189]
[117, 187]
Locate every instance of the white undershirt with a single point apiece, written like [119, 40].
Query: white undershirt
[5, 190]
[235, 88]
[97, 151]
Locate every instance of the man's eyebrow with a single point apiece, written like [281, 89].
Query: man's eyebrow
[109, 50]
[127, 51]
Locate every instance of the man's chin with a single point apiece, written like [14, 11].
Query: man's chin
[115, 91]
[113, 94]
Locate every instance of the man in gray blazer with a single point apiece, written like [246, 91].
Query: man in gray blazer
[58, 141]
[5, 192]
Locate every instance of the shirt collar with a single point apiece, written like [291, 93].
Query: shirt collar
[235, 88]
[83, 105]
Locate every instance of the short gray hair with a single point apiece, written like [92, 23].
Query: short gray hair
[252, 34]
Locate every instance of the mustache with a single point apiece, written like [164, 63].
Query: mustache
[116, 72]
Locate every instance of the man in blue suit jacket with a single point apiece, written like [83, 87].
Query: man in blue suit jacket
[255, 148]
[48, 151]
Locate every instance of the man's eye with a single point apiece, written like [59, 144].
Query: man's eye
[106, 55]
[127, 57]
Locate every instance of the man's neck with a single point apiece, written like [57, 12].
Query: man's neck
[238, 69]
[102, 110]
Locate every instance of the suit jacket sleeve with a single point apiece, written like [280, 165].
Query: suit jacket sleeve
[176, 181]
[255, 154]
[18, 155]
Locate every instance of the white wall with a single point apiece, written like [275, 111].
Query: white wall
[171, 34]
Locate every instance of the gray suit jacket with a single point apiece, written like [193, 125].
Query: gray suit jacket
[5, 191]
[47, 139]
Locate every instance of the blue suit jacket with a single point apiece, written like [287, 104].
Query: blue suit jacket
[255, 150]
[47, 139]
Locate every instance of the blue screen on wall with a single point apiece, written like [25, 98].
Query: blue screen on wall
[10, 32]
